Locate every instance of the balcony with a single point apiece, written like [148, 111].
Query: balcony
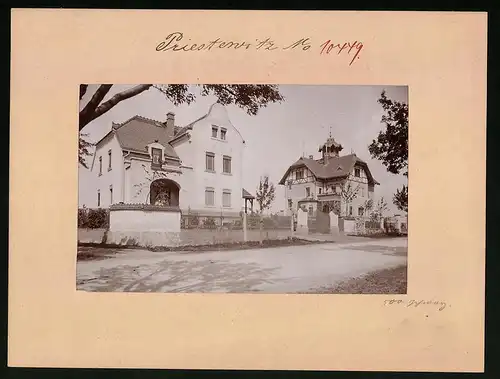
[330, 195]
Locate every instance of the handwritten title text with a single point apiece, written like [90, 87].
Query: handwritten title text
[176, 42]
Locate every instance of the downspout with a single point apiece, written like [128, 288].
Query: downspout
[124, 173]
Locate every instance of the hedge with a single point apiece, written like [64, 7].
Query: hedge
[93, 218]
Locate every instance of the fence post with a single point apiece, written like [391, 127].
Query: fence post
[245, 237]
[261, 223]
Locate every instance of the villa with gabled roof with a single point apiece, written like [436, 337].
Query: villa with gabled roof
[317, 184]
[197, 168]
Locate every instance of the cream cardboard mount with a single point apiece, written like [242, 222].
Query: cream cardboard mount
[53, 325]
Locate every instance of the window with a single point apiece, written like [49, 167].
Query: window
[109, 160]
[215, 130]
[110, 195]
[290, 203]
[156, 156]
[98, 198]
[226, 164]
[311, 210]
[100, 165]
[226, 198]
[319, 191]
[308, 192]
[361, 211]
[210, 158]
[300, 174]
[350, 210]
[357, 172]
[223, 134]
[362, 191]
[290, 184]
[209, 197]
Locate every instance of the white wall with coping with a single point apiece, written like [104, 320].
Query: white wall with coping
[144, 220]
[144, 226]
[349, 226]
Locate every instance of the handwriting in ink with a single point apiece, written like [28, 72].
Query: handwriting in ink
[329, 46]
[176, 42]
[173, 42]
[303, 43]
[416, 303]
[267, 44]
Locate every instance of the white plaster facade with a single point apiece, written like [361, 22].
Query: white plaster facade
[130, 174]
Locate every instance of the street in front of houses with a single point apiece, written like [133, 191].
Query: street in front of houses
[288, 269]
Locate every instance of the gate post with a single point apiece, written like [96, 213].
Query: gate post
[245, 238]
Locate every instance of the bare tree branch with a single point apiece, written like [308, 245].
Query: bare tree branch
[87, 113]
[83, 90]
[103, 108]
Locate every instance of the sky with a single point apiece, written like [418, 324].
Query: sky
[280, 133]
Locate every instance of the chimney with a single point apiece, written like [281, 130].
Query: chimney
[170, 124]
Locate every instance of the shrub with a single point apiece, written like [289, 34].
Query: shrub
[253, 222]
[372, 224]
[93, 218]
[209, 223]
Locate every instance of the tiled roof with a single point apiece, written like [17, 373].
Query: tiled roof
[246, 194]
[138, 132]
[336, 167]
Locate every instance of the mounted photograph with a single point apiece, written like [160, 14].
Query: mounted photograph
[243, 188]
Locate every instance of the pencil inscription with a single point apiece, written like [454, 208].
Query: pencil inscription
[416, 303]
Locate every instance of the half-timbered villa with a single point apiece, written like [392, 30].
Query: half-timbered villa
[342, 183]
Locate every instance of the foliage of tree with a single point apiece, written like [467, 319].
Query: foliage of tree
[84, 147]
[249, 97]
[265, 194]
[400, 199]
[391, 144]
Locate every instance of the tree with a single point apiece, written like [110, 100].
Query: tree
[265, 194]
[368, 206]
[84, 149]
[391, 145]
[379, 209]
[249, 97]
[348, 193]
[400, 199]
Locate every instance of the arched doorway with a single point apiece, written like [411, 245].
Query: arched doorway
[164, 192]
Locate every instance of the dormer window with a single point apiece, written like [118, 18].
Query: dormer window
[223, 134]
[156, 157]
[215, 131]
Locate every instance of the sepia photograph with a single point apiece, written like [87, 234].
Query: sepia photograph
[243, 188]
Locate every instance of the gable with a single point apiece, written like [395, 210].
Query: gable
[335, 168]
[217, 115]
